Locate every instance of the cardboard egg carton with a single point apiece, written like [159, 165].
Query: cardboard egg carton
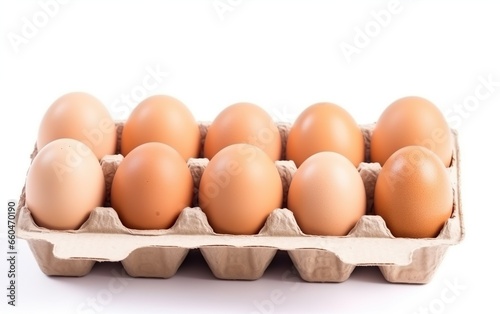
[159, 253]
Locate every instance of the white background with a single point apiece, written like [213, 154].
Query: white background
[284, 56]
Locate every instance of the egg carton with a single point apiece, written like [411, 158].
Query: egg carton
[159, 253]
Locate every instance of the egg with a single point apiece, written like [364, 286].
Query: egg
[151, 186]
[243, 123]
[327, 195]
[411, 121]
[82, 117]
[325, 127]
[163, 119]
[413, 193]
[239, 188]
[64, 184]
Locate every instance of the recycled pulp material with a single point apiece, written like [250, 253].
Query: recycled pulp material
[159, 253]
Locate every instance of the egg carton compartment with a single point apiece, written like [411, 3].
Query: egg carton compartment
[159, 253]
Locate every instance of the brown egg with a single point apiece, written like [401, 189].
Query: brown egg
[411, 121]
[327, 195]
[325, 127]
[413, 193]
[243, 123]
[64, 184]
[82, 117]
[151, 187]
[239, 189]
[163, 119]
